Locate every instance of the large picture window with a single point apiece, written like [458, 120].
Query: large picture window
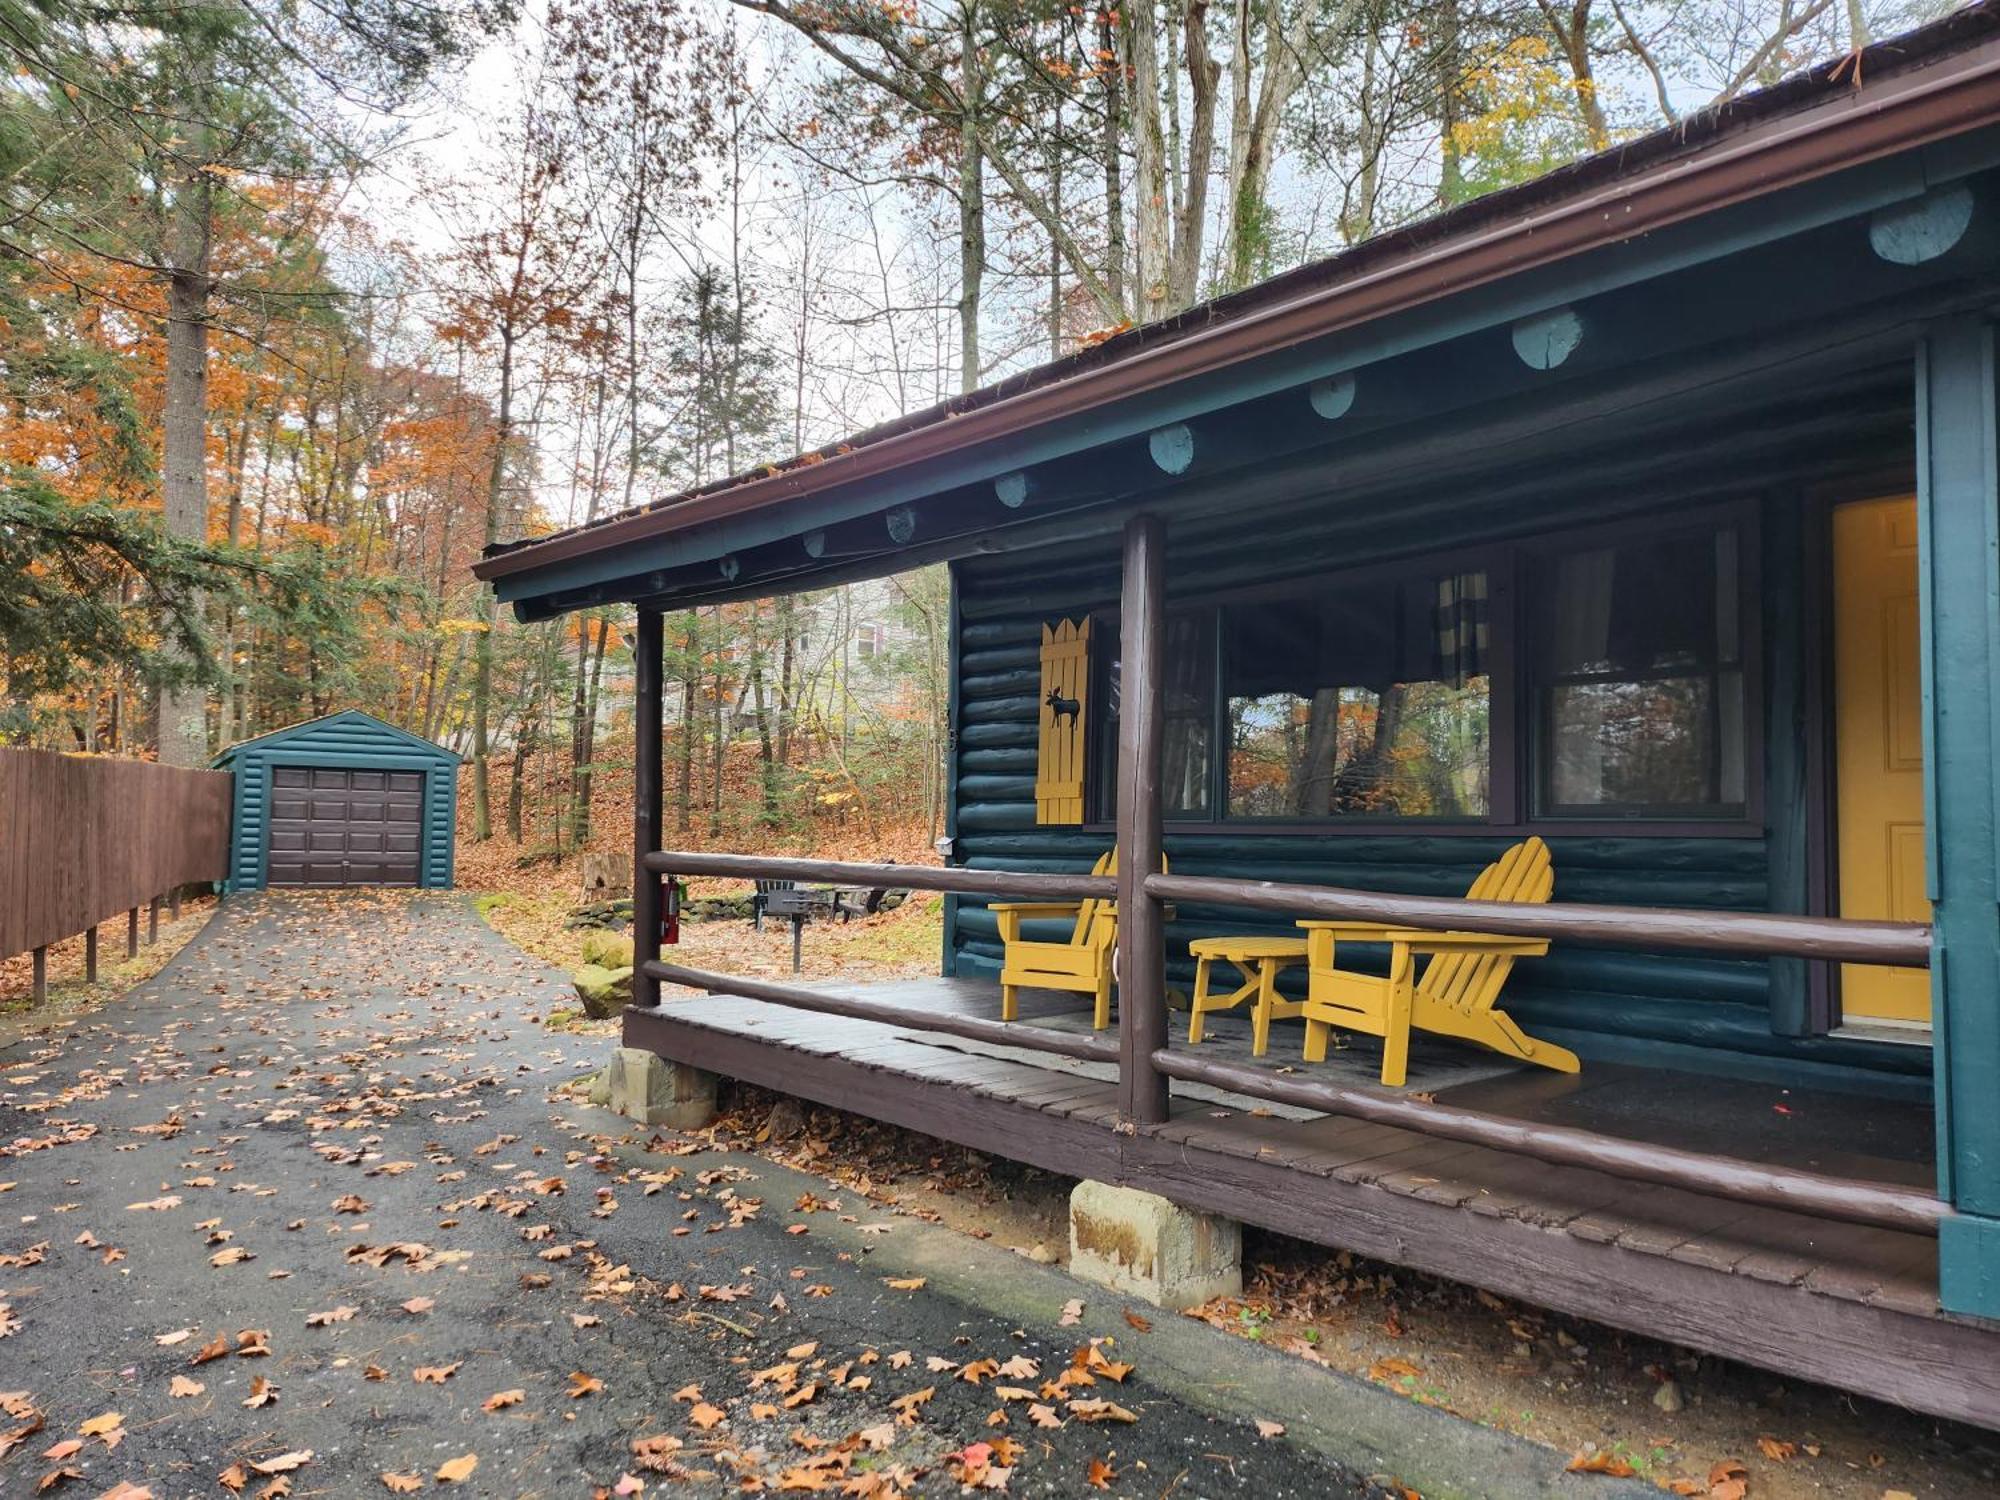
[1366, 701]
[1617, 690]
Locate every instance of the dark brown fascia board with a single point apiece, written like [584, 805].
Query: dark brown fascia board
[1919, 107]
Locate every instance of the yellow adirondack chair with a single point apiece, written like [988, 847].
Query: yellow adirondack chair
[1082, 965]
[1454, 994]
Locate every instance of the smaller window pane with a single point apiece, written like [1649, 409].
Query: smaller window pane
[1641, 679]
[1189, 690]
[1639, 744]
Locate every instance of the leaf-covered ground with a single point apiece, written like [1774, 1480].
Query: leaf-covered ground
[308, 1215]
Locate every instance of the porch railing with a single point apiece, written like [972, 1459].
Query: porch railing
[1142, 1013]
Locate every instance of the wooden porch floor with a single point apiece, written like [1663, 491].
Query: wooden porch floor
[1847, 1305]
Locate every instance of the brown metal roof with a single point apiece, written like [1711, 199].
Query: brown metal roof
[1902, 93]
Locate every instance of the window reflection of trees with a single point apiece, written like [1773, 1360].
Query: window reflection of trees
[1412, 750]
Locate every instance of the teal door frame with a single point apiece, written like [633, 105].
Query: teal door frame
[1958, 521]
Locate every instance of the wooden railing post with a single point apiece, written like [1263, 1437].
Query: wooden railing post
[90, 956]
[647, 666]
[1142, 986]
[153, 922]
[41, 975]
[132, 933]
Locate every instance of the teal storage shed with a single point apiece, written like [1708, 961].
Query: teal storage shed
[339, 801]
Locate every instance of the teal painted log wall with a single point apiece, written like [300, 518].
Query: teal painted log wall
[1684, 1009]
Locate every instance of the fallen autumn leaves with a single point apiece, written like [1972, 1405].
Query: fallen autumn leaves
[281, 1129]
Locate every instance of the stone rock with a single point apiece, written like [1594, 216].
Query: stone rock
[787, 1120]
[608, 950]
[718, 909]
[648, 1088]
[1143, 1245]
[1043, 1253]
[1668, 1396]
[600, 1088]
[604, 992]
[613, 914]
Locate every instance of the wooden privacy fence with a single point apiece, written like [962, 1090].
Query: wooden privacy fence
[1851, 1200]
[83, 838]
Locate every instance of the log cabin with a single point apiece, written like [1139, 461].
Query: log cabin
[1650, 509]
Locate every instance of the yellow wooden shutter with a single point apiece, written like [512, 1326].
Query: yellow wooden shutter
[1060, 754]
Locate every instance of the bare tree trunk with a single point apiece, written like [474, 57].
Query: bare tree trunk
[1155, 235]
[718, 750]
[524, 747]
[1055, 250]
[228, 723]
[1204, 76]
[581, 748]
[690, 671]
[482, 673]
[971, 200]
[760, 706]
[588, 777]
[1109, 42]
[434, 710]
[1572, 34]
[1451, 98]
[787, 673]
[183, 709]
[1358, 222]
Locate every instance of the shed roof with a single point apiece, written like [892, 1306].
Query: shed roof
[412, 742]
[1899, 95]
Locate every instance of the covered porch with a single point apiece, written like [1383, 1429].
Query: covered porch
[1818, 1298]
[1601, 471]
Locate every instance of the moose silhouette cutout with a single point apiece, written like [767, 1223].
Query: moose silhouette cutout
[1063, 708]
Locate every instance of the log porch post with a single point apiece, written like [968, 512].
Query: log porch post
[1958, 540]
[1142, 994]
[647, 667]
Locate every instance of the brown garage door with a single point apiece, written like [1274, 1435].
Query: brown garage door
[340, 827]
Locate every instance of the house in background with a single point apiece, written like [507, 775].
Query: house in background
[1651, 509]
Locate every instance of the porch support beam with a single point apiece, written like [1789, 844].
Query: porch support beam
[647, 668]
[1142, 959]
[1958, 515]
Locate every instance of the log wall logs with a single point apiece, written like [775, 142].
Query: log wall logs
[90, 836]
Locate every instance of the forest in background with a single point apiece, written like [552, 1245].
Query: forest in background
[301, 305]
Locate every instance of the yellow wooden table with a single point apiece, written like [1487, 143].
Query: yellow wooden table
[1260, 960]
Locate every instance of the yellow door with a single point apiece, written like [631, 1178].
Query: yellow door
[1879, 756]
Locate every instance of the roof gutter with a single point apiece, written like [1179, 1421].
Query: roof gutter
[1908, 110]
